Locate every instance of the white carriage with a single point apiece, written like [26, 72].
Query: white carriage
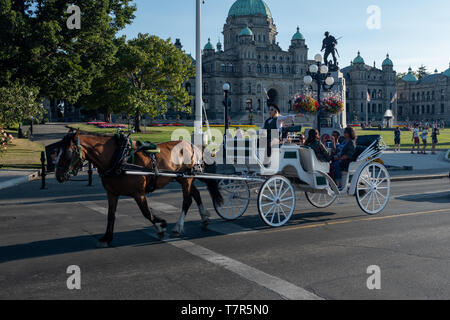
[298, 169]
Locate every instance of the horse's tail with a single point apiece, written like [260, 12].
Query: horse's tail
[214, 191]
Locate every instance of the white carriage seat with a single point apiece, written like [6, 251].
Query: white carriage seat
[310, 163]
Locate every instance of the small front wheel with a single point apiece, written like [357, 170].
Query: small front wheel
[276, 201]
[236, 198]
[321, 200]
[373, 188]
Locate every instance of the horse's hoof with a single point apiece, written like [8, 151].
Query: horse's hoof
[205, 225]
[175, 234]
[103, 245]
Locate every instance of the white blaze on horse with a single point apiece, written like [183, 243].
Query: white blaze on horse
[108, 153]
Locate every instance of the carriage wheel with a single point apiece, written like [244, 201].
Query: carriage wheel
[276, 201]
[321, 200]
[236, 198]
[373, 188]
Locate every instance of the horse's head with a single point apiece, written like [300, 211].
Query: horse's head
[70, 157]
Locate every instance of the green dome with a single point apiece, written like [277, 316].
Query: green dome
[388, 62]
[447, 72]
[358, 59]
[410, 77]
[246, 32]
[298, 35]
[209, 45]
[249, 8]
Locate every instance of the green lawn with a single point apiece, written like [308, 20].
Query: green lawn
[22, 153]
[388, 136]
[162, 134]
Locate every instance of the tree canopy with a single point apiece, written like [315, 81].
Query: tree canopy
[37, 47]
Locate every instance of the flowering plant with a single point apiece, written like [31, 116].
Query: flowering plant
[333, 104]
[305, 103]
[5, 139]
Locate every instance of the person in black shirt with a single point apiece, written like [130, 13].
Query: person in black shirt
[314, 143]
[397, 136]
[343, 159]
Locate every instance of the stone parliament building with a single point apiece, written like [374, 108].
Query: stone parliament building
[251, 60]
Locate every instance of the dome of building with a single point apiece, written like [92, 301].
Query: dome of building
[447, 72]
[387, 61]
[298, 35]
[246, 32]
[358, 59]
[249, 8]
[209, 45]
[410, 77]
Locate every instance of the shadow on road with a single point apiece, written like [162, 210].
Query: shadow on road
[439, 197]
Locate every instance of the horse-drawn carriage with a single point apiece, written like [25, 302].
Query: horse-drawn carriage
[295, 168]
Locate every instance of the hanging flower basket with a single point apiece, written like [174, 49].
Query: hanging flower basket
[333, 104]
[305, 104]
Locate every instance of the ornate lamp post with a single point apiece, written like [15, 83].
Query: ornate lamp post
[319, 73]
[250, 111]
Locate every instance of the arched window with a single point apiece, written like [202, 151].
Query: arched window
[249, 68]
[281, 69]
[274, 69]
[223, 68]
[288, 70]
[266, 68]
[230, 68]
[259, 68]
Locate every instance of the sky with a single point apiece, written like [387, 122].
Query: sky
[414, 33]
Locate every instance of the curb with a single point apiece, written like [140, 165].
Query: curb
[20, 180]
[421, 177]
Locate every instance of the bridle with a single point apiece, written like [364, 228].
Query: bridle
[77, 159]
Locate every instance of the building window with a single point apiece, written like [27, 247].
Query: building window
[362, 108]
[249, 68]
[266, 68]
[230, 68]
[259, 68]
[274, 69]
[205, 87]
[281, 70]
[428, 109]
[288, 70]
[249, 88]
[423, 110]
[291, 91]
[223, 68]
[442, 108]
[433, 111]
[258, 88]
[380, 108]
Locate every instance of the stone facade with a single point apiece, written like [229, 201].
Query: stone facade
[251, 60]
[427, 99]
[379, 83]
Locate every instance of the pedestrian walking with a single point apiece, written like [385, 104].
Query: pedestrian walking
[415, 139]
[424, 137]
[434, 139]
[397, 136]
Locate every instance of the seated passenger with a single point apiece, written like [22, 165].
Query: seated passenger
[314, 143]
[342, 160]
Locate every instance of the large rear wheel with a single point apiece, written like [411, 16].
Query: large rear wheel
[373, 188]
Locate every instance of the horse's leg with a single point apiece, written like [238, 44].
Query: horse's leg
[160, 224]
[187, 201]
[204, 214]
[107, 239]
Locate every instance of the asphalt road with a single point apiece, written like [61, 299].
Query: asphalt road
[320, 254]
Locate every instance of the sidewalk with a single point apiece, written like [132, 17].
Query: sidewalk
[419, 164]
[13, 177]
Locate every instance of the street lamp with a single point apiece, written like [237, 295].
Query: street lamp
[226, 103]
[320, 74]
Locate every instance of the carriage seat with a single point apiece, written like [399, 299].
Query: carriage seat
[309, 161]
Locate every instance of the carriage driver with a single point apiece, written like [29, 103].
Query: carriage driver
[275, 122]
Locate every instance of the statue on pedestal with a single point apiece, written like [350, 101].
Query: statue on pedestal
[329, 45]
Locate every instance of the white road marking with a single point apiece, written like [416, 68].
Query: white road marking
[282, 287]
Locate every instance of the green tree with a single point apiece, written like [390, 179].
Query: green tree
[421, 72]
[155, 70]
[19, 102]
[38, 48]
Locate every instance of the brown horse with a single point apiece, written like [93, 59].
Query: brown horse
[174, 156]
